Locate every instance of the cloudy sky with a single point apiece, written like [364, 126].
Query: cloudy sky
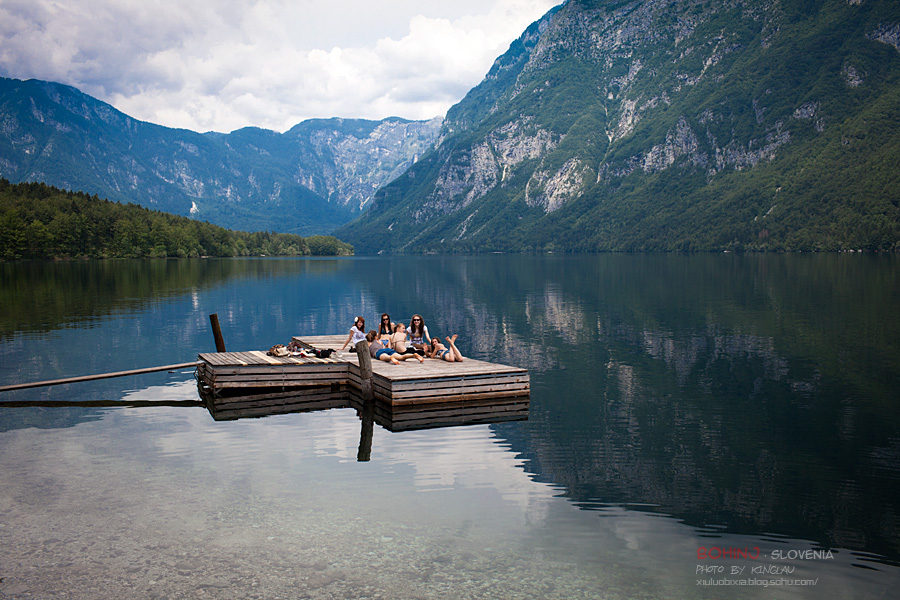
[224, 64]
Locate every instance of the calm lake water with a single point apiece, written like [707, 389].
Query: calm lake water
[709, 426]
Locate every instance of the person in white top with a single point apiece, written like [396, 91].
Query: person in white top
[357, 333]
[418, 334]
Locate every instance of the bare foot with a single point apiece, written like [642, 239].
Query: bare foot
[452, 338]
[394, 361]
[421, 360]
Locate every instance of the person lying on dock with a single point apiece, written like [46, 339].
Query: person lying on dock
[441, 352]
[379, 352]
[357, 334]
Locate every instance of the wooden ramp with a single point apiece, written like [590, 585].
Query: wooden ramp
[232, 374]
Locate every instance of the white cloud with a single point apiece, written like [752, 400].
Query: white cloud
[221, 65]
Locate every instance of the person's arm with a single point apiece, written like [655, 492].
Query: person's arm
[349, 337]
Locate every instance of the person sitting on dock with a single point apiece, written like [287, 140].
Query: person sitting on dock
[418, 334]
[441, 352]
[357, 334]
[379, 352]
[385, 327]
[398, 340]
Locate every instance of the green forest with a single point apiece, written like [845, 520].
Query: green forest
[38, 221]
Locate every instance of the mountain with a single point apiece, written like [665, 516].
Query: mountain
[307, 180]
[666, 125]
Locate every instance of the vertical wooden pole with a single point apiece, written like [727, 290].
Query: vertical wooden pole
[365, 369]
[367, 416]
[217, 332]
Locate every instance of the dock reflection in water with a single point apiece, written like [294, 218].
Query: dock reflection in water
[392, 417]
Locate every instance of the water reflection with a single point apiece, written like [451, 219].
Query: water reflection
[754, 393]
[744, 396]
[46, 296]
[392, 417]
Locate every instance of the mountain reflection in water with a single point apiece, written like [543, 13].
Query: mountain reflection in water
[740, 394]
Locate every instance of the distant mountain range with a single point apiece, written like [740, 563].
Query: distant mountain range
[666, 125]
[643, 125]
[308, 180]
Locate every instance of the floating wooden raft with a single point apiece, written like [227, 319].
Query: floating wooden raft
[434, 381]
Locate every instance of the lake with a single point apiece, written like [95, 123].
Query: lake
[700, 426]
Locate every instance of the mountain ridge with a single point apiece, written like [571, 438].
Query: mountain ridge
[666, 125]
[250, 178]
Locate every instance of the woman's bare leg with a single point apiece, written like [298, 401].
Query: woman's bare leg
[399, 356]
[389, 358]
[454, 351]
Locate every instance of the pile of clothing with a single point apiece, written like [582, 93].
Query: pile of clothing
[295, 349]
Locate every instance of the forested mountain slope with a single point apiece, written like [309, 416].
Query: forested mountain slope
[667, 125]
[38, 221]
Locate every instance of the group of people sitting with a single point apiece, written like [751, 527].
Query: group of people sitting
[394, 342]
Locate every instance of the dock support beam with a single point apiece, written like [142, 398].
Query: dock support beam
[367, 416]
[217, 332]
[365, 369]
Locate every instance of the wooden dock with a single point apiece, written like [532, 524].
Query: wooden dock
[245, 378]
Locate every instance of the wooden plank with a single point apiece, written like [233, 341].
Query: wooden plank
[293, 400]
[441, 386]
[453, 415]
[428, 384]
[292, 370]
[262, 356]
[459, 389]
[261, 383]
[423, 372]
[476, 396]
[457, 414]
[398, 427]
[460, 404]
[280, 395]
[314, 377]
[258, 358]
[22, 386]
[264, 411]
[213, 358]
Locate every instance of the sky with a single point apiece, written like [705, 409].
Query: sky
[219, 65]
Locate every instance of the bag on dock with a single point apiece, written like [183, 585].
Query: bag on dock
[278, 350]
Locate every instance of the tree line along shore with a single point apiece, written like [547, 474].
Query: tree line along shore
[38, 221]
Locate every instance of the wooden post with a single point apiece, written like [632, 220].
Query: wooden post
[367, 416]
[217, 332]
[365, 369]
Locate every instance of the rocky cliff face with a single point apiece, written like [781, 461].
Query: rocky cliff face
[353, 158]
[308, 180]
[664, 124]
